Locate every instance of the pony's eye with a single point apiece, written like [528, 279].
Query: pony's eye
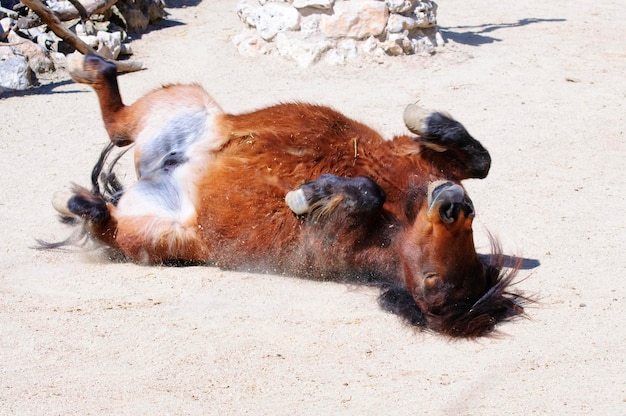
[430, 280]
[429, 275]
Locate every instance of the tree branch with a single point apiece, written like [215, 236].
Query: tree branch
[64, 10]
[57, 27]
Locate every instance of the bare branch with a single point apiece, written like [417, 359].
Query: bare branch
[57, 27]
[65, 10]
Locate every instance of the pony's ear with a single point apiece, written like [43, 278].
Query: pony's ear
[397, 300]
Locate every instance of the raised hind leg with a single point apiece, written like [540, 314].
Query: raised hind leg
[143, 226]
[101, 75]
[163, 111]
[448, 145]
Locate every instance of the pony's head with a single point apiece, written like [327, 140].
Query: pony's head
[452, 290]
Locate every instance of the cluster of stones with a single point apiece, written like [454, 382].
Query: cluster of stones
[28, 51]
[334, 31]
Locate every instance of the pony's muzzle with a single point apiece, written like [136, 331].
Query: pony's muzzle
[449, 199]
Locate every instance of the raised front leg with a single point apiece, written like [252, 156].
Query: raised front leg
[346, 231]
[448, 144]
[328, 194]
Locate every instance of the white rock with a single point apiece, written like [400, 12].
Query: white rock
[334, 31]
[400, 6]
[248, 12]
[109, 44]
[333, 57]
[392, 48]
[275, 18]
[426, 14]
[36, 55]
[91, 40]
[304, 51]
[356, 19]
[398, 23]
[348, 48]
[6, 24]
[15, 74]
[310, 25]
[317, 4]
[370, 45]
[439, 39]
[88, 29]
[251, 44]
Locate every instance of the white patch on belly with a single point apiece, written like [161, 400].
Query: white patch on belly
[171, 155]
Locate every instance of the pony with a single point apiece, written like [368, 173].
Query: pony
[298, 189]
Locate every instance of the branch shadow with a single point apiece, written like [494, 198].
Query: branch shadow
[176, 4]
[42, 89]
[164, 23]
[475, 35]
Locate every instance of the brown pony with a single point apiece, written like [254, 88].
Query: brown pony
[298, 189]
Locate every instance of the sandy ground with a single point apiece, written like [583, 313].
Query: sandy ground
[541, 84]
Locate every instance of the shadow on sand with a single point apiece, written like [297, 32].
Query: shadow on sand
[475, 35]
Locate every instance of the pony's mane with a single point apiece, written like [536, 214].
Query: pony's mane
[470, 319]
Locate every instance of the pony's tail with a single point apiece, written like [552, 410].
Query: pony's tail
[83, 205]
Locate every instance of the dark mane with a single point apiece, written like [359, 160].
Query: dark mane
[467, 319]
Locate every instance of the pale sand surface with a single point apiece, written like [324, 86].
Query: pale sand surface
[541, 84]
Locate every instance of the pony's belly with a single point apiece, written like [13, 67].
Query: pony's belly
[161, 209]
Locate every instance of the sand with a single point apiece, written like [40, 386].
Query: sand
[541, 84]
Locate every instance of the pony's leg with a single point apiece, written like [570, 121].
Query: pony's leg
[328, 193]
[101, 75]
[447, 143]
[345, 217]
[150, 236]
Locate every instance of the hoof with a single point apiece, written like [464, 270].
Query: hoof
[296, 200]
[76, 66]
[90, 69]
[60, 201]
[415, 119]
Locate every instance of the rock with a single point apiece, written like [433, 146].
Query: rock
[357, 19]
[310, 25]
[304, 51]
[15, 74]
[86, 29]
[109, 44]
[248, 12]
[370, 45]
[398, 23]
[91, 40]
[7, 23]
[138, 14]
[251, 44]
[275, 18]
[348, 48]
[136, 21]
[400, 6]
[36, 55]
[344, 50]
[316, 4]
[426, 14]
[335, 31]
